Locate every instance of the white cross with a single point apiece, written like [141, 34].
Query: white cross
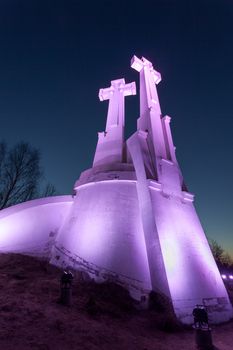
[138, 65]
[116, 93]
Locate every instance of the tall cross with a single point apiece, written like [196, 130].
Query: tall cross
[151, 77]
[150, 112]
[115, 94]
[111, 142]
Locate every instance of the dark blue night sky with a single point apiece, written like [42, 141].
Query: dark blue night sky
[55, 55]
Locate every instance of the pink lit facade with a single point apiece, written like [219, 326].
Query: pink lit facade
[31, 227]
[131, 219]
[110, 146]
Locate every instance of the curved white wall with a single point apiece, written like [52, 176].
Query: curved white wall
[31, 227]
[103, 233]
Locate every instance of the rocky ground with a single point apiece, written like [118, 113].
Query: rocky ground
[32, 318]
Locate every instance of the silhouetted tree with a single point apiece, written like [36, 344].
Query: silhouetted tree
[227, 260]
[20, 175]
[216, 249]
[49, 190]
[221, 257]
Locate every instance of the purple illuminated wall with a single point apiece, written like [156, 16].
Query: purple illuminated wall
[31, 227]
[131, 220]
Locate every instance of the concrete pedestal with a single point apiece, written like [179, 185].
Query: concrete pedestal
[203, 339]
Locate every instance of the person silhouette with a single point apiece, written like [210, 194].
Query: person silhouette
[66, 279]
[200, 316]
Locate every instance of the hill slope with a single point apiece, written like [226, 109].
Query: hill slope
[32, 318]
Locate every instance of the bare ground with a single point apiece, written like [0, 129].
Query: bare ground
[32, 318]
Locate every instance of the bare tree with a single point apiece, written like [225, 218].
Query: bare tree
[221, 257]
[49, 190]
[227, 260]
[217, 250]
[20, 174]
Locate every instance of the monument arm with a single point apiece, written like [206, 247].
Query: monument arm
[156, 76]
[138, 64]
[105, 94]
[129, 89]
[117, 86]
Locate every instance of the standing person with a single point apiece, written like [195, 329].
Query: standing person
[66, 287]
[66, 279]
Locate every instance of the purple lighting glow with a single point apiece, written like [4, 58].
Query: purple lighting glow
[130, 220]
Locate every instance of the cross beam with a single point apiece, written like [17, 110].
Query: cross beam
[115, 94]
[138, 65]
